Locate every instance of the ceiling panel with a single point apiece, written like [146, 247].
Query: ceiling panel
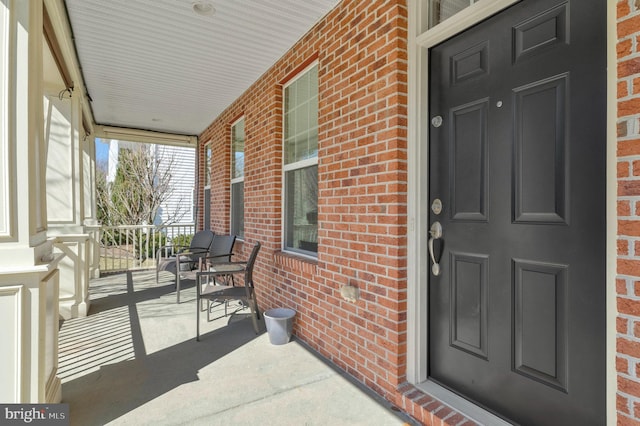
[157, 65]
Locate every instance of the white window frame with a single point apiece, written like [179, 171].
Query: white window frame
[308, 162]
[208, 155]
[236, 180]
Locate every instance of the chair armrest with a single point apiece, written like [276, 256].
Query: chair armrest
[184, 254]
[192, 251]
[244, 263]
[223, 269]
[205, 258]
[173, 249]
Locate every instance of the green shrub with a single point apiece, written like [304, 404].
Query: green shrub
[144, 249]
[182, 240]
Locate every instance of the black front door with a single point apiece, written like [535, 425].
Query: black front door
[517, 161]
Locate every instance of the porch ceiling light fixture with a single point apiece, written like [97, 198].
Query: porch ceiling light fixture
[204, 8]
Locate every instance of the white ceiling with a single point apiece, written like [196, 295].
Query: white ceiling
[157, 65]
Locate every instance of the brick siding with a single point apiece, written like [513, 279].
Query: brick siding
[361, 52]
[628, 207]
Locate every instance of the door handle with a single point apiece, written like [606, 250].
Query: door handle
[435, 234]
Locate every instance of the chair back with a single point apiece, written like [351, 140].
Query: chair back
[248, 274]
[222, 244]
[200, 244]
[201, 240]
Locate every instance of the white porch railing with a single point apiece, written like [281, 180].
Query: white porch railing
[127, 247]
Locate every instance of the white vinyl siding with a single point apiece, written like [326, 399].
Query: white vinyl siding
[178, 208]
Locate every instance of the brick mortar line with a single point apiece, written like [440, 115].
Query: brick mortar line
[631, 14]
[629, 157]
[634, 54]
[630, 95]
[628, 396]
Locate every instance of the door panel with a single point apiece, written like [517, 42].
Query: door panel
[540, 322]
[468, 166]
[469, 303]
[517, 314]
[540, 169]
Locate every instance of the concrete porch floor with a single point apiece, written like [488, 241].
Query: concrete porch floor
[134, 360]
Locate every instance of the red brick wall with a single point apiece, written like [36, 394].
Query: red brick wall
[361, 51]
[628, 281]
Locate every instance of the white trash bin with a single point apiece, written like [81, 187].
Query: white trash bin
[279, 322]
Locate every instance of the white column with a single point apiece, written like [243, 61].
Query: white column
[28, 269]
[91, 224]
[74, 274]
[66, 193]
[29, 352]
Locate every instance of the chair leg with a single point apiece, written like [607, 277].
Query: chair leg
[255, 303]
[254, 312]
[198, 321]
[177, 286]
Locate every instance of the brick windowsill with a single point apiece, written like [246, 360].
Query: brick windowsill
[292, 261]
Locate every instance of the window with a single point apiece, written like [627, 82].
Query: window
[207, 188]
[440, 10]
[237, 178]
[207, 166]
[301, 163]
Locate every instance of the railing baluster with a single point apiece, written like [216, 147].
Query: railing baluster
[120, 243]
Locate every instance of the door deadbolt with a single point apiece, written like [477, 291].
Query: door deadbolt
[436, 121]
[436, 206]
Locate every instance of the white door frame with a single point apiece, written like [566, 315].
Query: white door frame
[420, 40]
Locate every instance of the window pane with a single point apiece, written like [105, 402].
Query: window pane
[313, 143]
[301, 118]
[289, 97]
[237, 150]
[313, 81]
[301, 213]
[302, 89]
[207, 166]
[440, 10]
[237, 209]
[207, 209]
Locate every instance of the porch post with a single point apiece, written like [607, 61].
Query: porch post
[28, 268]
[91, 223]
[66, 193]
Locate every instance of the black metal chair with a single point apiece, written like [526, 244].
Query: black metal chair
[212, 292]
[179, 259]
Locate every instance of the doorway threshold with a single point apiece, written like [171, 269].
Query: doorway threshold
[461, 405]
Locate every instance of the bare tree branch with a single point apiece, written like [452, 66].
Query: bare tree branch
[142, 185]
